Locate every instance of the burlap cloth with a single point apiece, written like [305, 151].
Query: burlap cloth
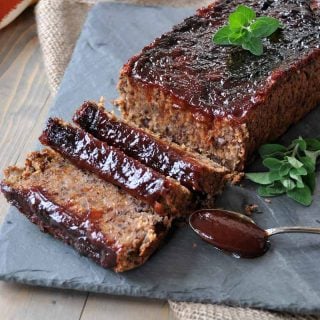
[59, 24]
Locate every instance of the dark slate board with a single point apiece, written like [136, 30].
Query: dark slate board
[287, 278]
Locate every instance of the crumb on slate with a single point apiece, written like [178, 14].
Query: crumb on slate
[267, 200]
[250, 209]
[194, 245]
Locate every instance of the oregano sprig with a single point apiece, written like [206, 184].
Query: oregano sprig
[291, 170]
[246, 30]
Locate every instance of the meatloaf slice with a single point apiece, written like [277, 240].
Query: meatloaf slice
[167, 196]
[222, 100]
[195, 172]
[97, 218]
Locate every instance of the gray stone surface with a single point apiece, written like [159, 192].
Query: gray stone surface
[287, 278]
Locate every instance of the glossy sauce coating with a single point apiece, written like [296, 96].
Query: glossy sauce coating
[81, 232]
[230, 233]
[108, 162]
[224, 81]
[138, 144]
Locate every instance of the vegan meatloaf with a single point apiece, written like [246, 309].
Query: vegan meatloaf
[223, 101]
[195, 172]
[166, 195]
[97, 218]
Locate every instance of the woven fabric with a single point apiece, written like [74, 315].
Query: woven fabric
[59, 24]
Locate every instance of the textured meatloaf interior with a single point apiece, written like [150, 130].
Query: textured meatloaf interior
[192, 170]
[166, 195]
[97, 218]
[222, 100]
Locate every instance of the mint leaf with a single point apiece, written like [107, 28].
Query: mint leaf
[264, 27]
[272, 163]
[237, 20]
[268, 150]
[294, 162]
[302, 196]
[259, 177]
[310, 181]
[246, 30]
[222, 36]
[291, 170]
[247, 12]
[288, 184]
[313, 144]
[254, 45]
[236, 38]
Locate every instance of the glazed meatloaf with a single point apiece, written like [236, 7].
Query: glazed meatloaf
[97, 218]
[195, 172]
[166, 195]
[222, 100]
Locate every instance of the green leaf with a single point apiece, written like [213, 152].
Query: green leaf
[310, 181]
[222, 36]
[299, 171]
[247, 12]
[237, 20]
[302, 196]
[236, 37]
[308, 163]
[271, 191]
[288, 184]
[313, 155]
[298, 179]
[268, 150]
[254, 45]
[259, 177]
[294, 162]
[275, 175]
[264, 27]
[313, 144]
[263, 191]
[300, 142]
[284, 169]
[241, 17]
[272, 163]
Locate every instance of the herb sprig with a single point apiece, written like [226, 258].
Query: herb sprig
[246, 30]
[291, 170]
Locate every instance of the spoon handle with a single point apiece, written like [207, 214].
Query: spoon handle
[273, 231]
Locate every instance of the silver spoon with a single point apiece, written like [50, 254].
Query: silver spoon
[237, 233]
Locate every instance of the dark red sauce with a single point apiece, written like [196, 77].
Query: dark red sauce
[138, 144]
[82, 232]
[230, 232]
[221, 81]
[108, 162]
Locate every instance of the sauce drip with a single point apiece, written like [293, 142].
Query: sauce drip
[230, 232]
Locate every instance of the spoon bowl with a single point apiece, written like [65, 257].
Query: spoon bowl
[236, 233]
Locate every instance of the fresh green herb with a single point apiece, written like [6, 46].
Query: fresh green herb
[246, 30]
[291, 170]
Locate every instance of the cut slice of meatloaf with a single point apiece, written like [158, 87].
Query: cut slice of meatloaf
[222, 100]
[167, 196]
[97, 218]
[195, 172]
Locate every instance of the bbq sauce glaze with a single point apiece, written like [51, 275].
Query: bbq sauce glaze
[230, 232]
[138, 144]
[226, 81]
[82, 232]
[107, 162]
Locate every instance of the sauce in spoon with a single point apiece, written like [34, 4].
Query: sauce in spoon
[231, 232]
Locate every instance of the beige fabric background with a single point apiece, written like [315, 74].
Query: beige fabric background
[59, 25]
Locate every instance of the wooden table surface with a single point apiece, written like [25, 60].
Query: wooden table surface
[24, 102]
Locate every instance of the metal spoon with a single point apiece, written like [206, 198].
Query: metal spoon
[237, 233]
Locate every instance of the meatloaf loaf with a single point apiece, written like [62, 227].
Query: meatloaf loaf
[222, 100]
[97, 218]
[195, 172]
[166, 195]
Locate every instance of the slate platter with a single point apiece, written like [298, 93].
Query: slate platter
[287, 278]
